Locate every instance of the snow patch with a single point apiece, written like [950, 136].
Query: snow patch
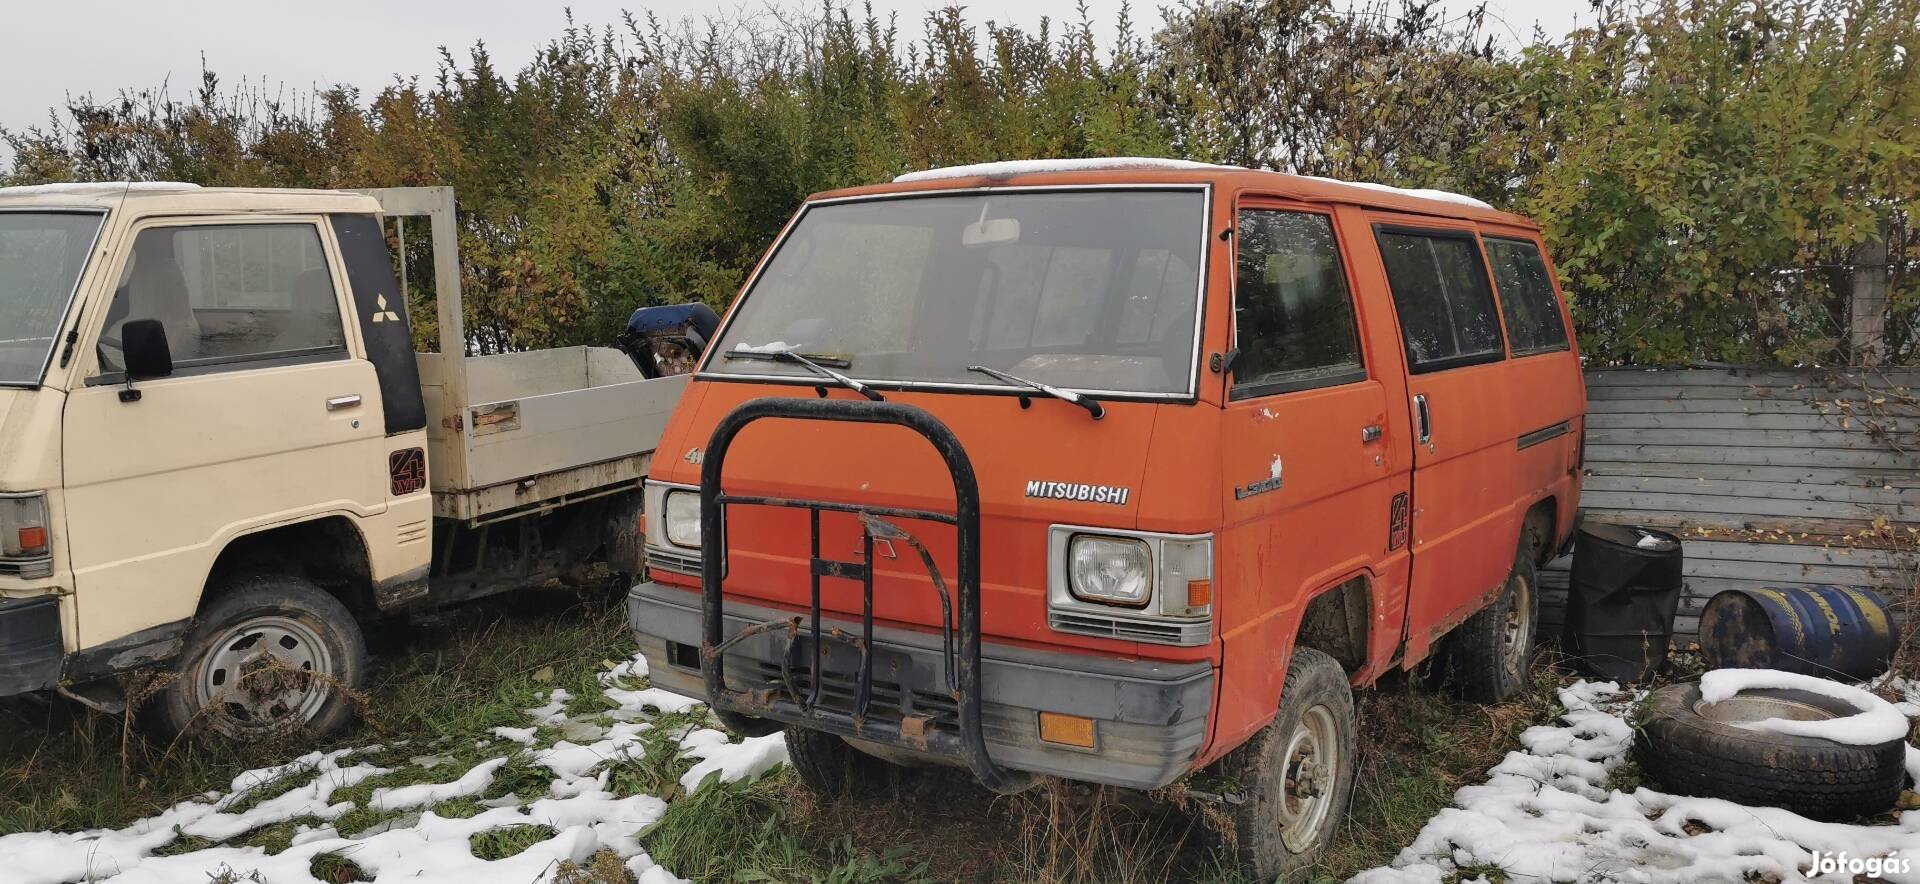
[1877, 722]
[1010, 168]
[1550, 813]
[419, 847]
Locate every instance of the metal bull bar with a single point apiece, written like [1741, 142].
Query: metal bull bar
[764, 710]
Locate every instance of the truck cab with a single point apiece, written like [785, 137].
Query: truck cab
[1115, 470]
[220, 453]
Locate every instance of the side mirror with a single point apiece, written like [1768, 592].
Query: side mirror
[143, 347]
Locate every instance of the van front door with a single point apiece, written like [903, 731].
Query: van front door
[1311, 462]
[1464, 534]
[267, 417]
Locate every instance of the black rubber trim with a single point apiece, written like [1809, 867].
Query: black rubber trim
[155, 644]
[1544, 434]
[384, 329]
[30, 646]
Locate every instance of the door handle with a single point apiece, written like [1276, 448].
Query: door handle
[1370, 433]
[338, 403]
[1424, 417]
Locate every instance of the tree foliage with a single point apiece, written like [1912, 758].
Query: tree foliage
[1706, 171]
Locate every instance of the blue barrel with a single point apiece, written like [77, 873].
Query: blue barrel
[1826, 631]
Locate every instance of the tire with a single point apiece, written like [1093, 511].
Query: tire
[830, 767]
[1277, 831]
[1689, 753]
[224, 681]
[1490, 657]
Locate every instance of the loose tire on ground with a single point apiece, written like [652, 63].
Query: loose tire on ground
[1688, 752]
[1296, 774]
[272, 656]
[1490, 657]
[830, 767]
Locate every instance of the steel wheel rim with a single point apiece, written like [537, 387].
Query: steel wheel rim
[265, 673]
[1516, 630]
[1744, 710]
[1307, 774]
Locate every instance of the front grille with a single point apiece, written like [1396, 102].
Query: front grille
[1152, 631]
[890, 699]
[678, 562]
[27, 568]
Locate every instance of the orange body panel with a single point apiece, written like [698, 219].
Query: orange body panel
[1340, 458]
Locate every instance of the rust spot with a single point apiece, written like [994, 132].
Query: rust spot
[913, 730]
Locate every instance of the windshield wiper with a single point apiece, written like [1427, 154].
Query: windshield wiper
[1092, 405]
[815, 367]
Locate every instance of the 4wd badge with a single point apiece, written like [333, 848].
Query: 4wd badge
[1080, 491]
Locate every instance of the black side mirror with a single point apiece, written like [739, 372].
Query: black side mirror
[143, 346]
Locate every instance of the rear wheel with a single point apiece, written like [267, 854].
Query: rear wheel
[1296, 773]
[1490, 657]
[274, 655]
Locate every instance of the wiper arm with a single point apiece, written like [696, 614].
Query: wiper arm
[815, 367]
[1089, 403]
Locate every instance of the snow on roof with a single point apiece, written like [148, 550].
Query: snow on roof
[1427, 193]
[1011, 168]
[95, 188]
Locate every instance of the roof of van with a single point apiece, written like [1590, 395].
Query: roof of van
[1149, 170]
[181, 196]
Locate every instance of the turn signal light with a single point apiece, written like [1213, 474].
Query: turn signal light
[1199, 593]
[1067, 730]
[33, 539]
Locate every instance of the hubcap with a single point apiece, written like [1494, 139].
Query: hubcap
[1310, 770]
[261, 675]
[1516, 631]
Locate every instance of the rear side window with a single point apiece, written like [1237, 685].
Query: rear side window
[1441, 294]
[1526, 296]
[1292, 308]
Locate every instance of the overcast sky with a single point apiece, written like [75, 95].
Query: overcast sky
[76, 47]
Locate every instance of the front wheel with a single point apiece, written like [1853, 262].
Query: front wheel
[272, 656]
[1296, 774]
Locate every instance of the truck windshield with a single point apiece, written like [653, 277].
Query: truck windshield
[41, 256]
[1087, 290]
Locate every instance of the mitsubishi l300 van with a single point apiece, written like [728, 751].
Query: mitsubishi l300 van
[1115, 470]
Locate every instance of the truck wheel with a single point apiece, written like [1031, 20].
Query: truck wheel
[828, 766]
[1711, 751]
[1490, 657]
[1296, 774]
[273, 655]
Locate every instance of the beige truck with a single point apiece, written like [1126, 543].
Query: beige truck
[220, 454]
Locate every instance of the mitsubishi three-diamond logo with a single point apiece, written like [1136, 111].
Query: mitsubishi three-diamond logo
[380, 311]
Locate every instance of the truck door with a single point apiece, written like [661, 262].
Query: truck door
[1464, 534]
[267, 418]
[1311, 464]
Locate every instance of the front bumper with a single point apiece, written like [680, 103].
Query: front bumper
[31, 653]
[1151, 717]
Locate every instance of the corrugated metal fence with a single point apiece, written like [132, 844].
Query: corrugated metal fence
[1771, 475]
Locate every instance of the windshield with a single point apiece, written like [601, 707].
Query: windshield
[1085, 290]
[41, 256]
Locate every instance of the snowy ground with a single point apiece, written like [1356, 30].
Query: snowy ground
[1549, 814]
[417, 845]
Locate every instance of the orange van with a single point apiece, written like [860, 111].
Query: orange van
[1115, 470]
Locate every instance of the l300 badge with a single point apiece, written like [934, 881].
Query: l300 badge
[1080, 491]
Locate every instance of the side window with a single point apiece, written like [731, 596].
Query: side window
[1526, 296]
[1291, 306]
[228, 294]
[1441, 293]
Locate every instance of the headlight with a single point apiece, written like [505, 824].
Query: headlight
[681, 518]
[1114, 570]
